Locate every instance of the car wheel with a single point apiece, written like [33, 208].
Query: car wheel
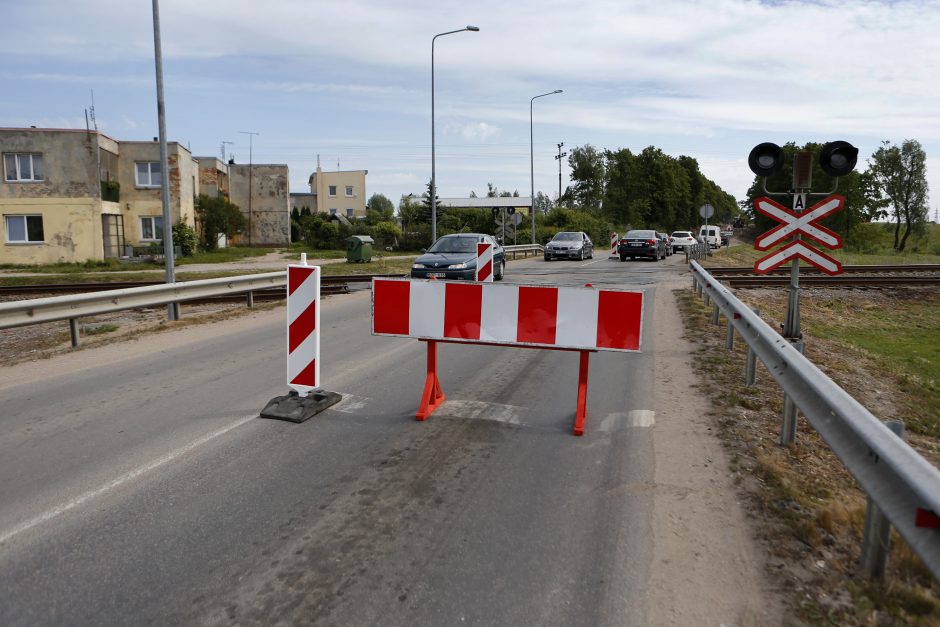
[623, 257]
[632, 258]
[547, 258]
[581, 255]
[502, 271]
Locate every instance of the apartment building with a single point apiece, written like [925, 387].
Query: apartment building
[71, 195]
[337, 193]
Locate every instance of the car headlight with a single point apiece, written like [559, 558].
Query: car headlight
[461, 266]
[418, 266]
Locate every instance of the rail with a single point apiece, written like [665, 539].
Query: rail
[903, 486]
[525, 249]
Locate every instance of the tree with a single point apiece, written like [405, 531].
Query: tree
[901, 175]
[379, 209]
[587, 175]
[217, 216]
[542, 202]
[380, 202]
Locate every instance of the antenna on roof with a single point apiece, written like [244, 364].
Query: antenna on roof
[318, 161]
[91, 111]
[337, 164]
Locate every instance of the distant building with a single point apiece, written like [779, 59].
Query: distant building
[338, 193]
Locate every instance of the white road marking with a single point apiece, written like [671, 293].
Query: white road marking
[639, 418]
[590, 263]
[350, 403]
[116, 483]
[480, 410]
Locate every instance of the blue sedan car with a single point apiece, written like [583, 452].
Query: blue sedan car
[455, 257]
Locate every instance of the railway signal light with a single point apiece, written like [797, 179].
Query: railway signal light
[765, 159]
[838, 158]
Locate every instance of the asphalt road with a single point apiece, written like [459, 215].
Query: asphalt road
[148, 491]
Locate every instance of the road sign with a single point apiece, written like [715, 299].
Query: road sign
[798, 249]
[516, 218]
[794, 222]
[706, 211]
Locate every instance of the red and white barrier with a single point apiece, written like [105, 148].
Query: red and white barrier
[303, 328]
[573, 318]
[584, 319]
[614, 238]
[484, 270]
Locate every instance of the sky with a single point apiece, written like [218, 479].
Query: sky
[350, 81]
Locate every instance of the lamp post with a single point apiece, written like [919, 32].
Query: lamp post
[433, 179]
[532, 156]
[251, 171]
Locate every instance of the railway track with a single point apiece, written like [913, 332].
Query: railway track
[923, 275]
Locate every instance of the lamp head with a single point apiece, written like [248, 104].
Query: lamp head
[838, 158]
[765, 159]
[473, 28]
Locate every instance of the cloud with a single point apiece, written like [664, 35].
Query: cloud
[479, 132]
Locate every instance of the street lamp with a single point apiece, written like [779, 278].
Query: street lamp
[433, 179]
[532, 156]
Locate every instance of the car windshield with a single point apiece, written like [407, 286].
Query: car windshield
[641, 234]
[560, 237]
[682, 234]
[455, 245]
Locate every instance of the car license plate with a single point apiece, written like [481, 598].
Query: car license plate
[635, 244]
[436, 275]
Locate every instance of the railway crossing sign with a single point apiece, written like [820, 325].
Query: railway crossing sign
[799, 222]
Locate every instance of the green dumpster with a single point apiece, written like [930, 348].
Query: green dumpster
[359, 248]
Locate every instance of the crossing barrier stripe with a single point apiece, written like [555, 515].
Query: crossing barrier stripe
[303, 322]
[484, 262]
[806, 223]
[579, 318]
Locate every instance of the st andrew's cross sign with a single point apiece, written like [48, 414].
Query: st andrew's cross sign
[799, 222]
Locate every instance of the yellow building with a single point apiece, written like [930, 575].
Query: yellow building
[337, 193]
[71, 195]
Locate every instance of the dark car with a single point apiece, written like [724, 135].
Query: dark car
[641, 243]
[667, 242]
[455, 257]
[569, 245]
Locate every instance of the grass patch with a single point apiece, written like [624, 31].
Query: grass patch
[102, 266]
[223, 255]
[806, 507]
[99, 329]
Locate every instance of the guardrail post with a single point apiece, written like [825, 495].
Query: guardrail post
[698, 288]
[708, 299]
[176, 310]
[750, 365]
[73, 331]
[251, 299]
[788, 426]
[716, 313]
[729, 336]
[877, 537]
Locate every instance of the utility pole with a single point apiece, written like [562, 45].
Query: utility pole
[558, 159]
[251, 171]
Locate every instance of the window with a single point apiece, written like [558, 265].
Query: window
[349, 212]
[151, 228]
[148, 174]
[349, 190]
[332, 212]
[24, 229]
[22, 166]
[332, 190]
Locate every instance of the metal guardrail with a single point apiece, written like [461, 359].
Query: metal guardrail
[696, 252]
[525, 249]
[36, 310]
[904, 486]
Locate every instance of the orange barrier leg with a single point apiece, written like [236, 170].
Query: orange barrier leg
[581, 413]
[432, 397]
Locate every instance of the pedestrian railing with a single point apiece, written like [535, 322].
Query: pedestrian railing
[902, 486]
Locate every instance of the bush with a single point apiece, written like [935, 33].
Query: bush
[217, 216]
[185, 237]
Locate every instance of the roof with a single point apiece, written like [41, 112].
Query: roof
[483, 203]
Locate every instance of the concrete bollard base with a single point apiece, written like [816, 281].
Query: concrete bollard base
[295, 408]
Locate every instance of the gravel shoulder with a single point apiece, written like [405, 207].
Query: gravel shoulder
[708, 568]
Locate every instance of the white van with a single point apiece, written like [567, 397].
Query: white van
[711, 235]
